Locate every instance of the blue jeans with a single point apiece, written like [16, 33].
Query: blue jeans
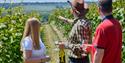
[79, 60]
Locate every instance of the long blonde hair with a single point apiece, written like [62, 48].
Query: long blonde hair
[32, 27]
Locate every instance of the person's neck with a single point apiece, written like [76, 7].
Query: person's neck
[107, 16]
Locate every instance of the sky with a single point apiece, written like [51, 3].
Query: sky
[17, 1]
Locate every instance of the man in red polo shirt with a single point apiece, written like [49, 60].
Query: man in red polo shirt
[108, 36]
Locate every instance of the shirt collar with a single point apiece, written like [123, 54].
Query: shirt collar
[108, 17]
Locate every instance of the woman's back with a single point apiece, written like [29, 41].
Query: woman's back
[27, 44]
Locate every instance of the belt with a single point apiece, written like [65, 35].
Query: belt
[77, 58]
[84, 59]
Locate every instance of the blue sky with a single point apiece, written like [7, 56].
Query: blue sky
[15, 1]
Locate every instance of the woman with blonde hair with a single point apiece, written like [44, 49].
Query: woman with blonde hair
[31, 43]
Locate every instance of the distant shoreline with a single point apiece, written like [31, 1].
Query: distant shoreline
[44, 8]
[38, 2]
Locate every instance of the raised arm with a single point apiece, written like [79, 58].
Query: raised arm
[66, 20]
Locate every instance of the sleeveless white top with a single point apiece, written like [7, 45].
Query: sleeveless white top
[27, 44]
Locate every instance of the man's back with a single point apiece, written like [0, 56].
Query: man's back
[109, 37]
[79, 34]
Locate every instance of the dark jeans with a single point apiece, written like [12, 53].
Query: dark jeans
[79, 60]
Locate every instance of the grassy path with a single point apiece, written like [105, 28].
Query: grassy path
[59, 33]
[49, 38]
[50, 35]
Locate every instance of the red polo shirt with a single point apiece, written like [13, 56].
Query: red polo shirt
[108, 36]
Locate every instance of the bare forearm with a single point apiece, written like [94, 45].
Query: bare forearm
[35, 60]
[65, 19]
[98, 56]
[27, 55]
[97, 59]
[70, 21]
